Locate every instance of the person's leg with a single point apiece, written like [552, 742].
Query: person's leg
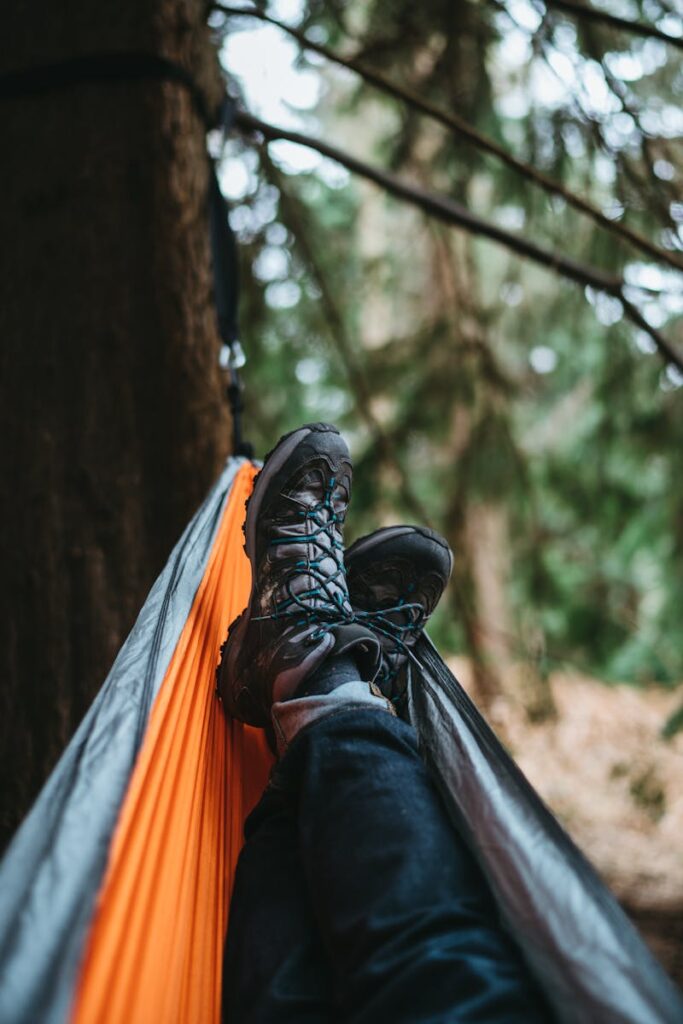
[274, 969]
[409, 927]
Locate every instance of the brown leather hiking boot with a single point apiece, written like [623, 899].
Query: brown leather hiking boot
[396, 577]
[299, 611]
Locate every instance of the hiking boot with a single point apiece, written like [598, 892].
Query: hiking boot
[299, 610]
[396, 577]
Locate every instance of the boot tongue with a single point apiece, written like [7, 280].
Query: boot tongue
[306, 555]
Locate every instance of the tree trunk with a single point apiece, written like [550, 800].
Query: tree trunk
[477, 527]
[111, 410]
[662, 929]
[488, 548]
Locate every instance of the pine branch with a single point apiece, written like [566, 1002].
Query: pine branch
[649, 187]
[450, 212]
[652, 188]
[463, 128]
[655, 187]
[639, 28]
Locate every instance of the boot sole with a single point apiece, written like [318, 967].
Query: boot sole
[390, 533]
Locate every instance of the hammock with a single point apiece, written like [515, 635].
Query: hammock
[114, 894]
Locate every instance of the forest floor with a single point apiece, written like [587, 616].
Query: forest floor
[616, 786]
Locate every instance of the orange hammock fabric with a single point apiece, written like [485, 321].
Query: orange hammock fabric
[155, 948]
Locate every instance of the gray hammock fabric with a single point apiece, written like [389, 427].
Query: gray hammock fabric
[586, 955]
[52, 870]
[578, 942]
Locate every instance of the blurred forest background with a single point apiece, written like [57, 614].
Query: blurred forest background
[524, 414]
[487, 301]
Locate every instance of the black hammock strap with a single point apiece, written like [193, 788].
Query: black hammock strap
[226, 290]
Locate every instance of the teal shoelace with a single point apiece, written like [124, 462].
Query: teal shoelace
[331, 607]
[326, 604]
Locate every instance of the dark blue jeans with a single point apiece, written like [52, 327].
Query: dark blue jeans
[356, 900]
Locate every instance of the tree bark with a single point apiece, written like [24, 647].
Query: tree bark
[662, 929]
[477, 529]
[488, 546]
[112, 417]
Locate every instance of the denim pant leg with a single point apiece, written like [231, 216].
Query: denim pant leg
[409, 927]
[274, 970]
